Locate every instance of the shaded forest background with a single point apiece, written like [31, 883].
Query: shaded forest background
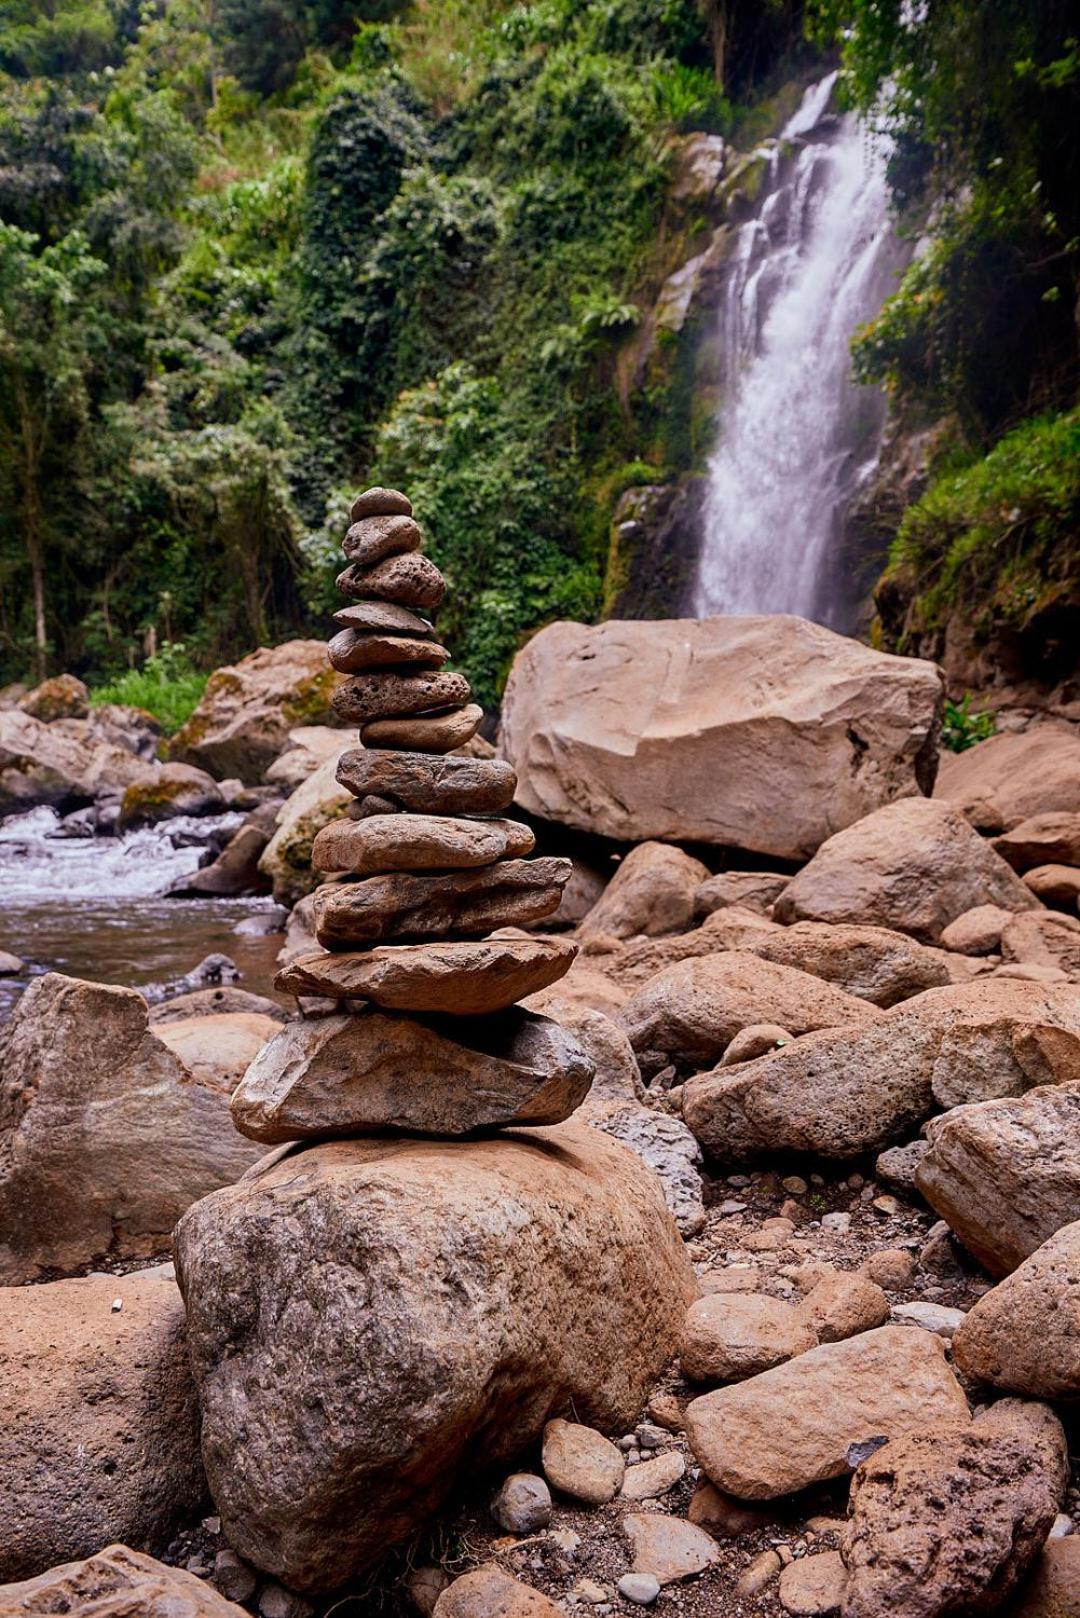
[255, 253]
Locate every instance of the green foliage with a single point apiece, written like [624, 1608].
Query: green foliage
[961, 729]
[167, 686]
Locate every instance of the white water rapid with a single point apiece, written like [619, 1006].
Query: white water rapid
[797, 435]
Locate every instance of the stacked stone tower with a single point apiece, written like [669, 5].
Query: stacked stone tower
[421, 874]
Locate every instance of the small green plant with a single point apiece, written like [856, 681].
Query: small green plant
[167, 686]
[961, 729]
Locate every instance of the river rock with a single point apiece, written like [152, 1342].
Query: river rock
[236, 869]
[418, 843]
[117, 1583]
[668, 1548]
[949, 1519]
[429, 784]
[351, 651]
[459, 977]
[652, 892]
[488, 1592]
[371, 539]
[369, 1319]
[40, 764]
[874, 963]
[286, 860]
[383, 618]
[105, 1137]
[61, 697]
[348, 1075]
[1048, 839]
[757, 1040]
[813, 1586]
[582, 1463]
[405, 905]
[1005, 1175]
[392, 695]
[247, 710]
[164, 791]
[217, 1050]
[793, 1425]
[977, 931]
[100, 1436]
[765, 734]
[842, 1305]
[727, 1337]
[648, 1480]
[425, 733]
[1055, 884]
[692, 1010]
[754, 890]
[731, 928]
[409, 581]
[851, 1090]
[1016, 775]
[226, 998]
[380, 502]
[522, 1504]
[1043, 939]
[913, 866]
[1024, 1334]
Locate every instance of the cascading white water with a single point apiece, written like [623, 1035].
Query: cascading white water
[797, 434]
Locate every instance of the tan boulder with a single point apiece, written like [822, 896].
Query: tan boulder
[949, 1519]
[727, 1337]
[246, 713]
[305, 749]
[652, 892]
[977, 931]
[913, 866]
[1047, 839]
[581, 1462]
[668, 1548]
[731, 928]
[618, 1078]
[691, 1011]
[407, 905]
[842, 1305]
[1053, 1587]
[116, 1583]
[1055, 884]
[766, 734]
[217, 1049]
[1024, 1334]
[1043, 939]
[368, 1072]
[369, 1320]
[1018, 774]
[417, 843]
[100, 1436]
[488, 1592]
[105, 1137]
[461, 977]
[874, 963]
[163, 791]
[751, 890]
[286, 860]
[1005, 1175]
[851, 1090]
[793, 1425]
[61, 697]
[813, 1586]
[40, 764]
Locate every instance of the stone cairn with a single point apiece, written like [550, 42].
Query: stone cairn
[421, 873]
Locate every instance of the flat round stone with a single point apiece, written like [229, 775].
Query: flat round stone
[455, 903]
[350, 1075]
[427, 783]
[385, 618]
[373, 538]
[391, 695]
[417, 843]
[379, 502]
[429, 733]
[464, 978]
[352, 650]
[410, 581]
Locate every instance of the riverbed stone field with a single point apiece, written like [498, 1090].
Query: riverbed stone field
[649, 1179]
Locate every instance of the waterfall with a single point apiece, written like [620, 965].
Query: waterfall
[797, 435]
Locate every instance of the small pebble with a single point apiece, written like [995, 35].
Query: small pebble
[739, 1181]
[1061, 1527]
[836, 1221]
[760, 1573]
[796, 1185]
[855, 1182]
[886, 1205]
[523, 1504]
[233, 1577]
[277, 1602]
[731, 1206]
[640, 1588]
[117, 1305]
[590, 1591]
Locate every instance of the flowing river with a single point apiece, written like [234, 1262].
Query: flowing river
[797, 435]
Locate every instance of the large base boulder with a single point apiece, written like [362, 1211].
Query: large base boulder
[100, 1436]
[246, 713]
[117, 1583]
[767, 734]
[370, 1320]
[914, 866]
[105, 1136]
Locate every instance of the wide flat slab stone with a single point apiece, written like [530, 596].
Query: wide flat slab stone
[349, 1075]
[457, 903]
[461, 977]
[351, 650]
[417, 843]
[429, 783]
[425, 733]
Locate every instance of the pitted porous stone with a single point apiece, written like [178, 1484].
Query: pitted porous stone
[384, 618]
[425, 733]
[409, 580]
[352, 650]
[464, 979]
[417, 843]
[427, 783]
[455, 904]
[393, 695]
[371, 539]
[379, 502]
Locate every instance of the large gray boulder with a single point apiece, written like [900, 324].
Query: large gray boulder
[766, 734]
[105, 1135]
[100, 1436]
[914, 866]
[371, 1320]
